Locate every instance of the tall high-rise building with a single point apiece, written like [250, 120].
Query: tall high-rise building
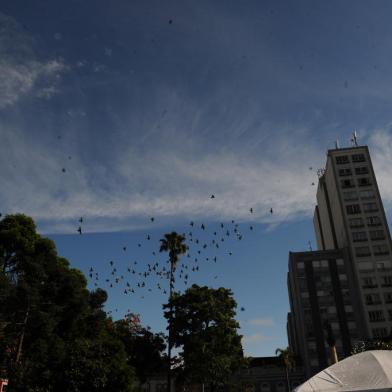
[350, 220]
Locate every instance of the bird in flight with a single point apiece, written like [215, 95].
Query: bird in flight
[251, 210]
[271, 211]
[80, 230]
[212, 196]
[81, 219]
[152, 219]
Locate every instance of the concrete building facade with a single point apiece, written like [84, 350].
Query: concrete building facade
[354, 247]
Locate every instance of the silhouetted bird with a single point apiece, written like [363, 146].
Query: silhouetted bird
[242, 308]
[63, 169]
[124, 248]
[152, 219]
[212, 197]
[81, 219]
[251, 210]
[80, 230]
[271, 211]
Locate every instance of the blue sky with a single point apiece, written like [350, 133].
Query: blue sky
[150, 108]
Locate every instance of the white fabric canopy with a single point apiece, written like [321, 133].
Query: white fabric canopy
[367, 371]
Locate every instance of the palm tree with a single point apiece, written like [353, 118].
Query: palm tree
[288, 359]
[174, 244]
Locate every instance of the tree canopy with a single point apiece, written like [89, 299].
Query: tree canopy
[204, 328]
[55, 334]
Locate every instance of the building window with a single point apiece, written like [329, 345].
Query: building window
[381, 250]
[356, 222]
[379, 332]
[388, 298]
[365, 266]
[314, 362]
[351, 325]
[316, 263]
[377, 235]
[369, 283]
[265, 387]
[384, 265]
[366, 195]
[347, 184]
[376, 315]
[372, 299]
[300, 265]
[331, 309]
[353, 209]
[362, 251]
[370, 207]
[342, 160]
[387, 281]
[350, 195]
[373, 221]
[280, 387]
[348, 308]
[362, 170]
[358, 158]
[364, 181]
[359, 236]
[324, 263]
[345, 172]
[339, 261]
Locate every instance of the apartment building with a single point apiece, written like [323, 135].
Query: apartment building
[354, 247]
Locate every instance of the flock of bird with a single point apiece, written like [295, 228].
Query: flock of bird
[206, 244]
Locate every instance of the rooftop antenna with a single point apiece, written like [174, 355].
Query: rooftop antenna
[355, 138]
[310, 245]
[337, 144]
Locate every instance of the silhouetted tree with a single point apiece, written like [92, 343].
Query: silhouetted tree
[174, 244]
[204, 327]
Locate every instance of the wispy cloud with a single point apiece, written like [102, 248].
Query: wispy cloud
[261, 322]
[255, 338]
[21, 73]
[153, 183]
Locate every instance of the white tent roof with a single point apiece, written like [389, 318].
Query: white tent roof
[367, 371]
